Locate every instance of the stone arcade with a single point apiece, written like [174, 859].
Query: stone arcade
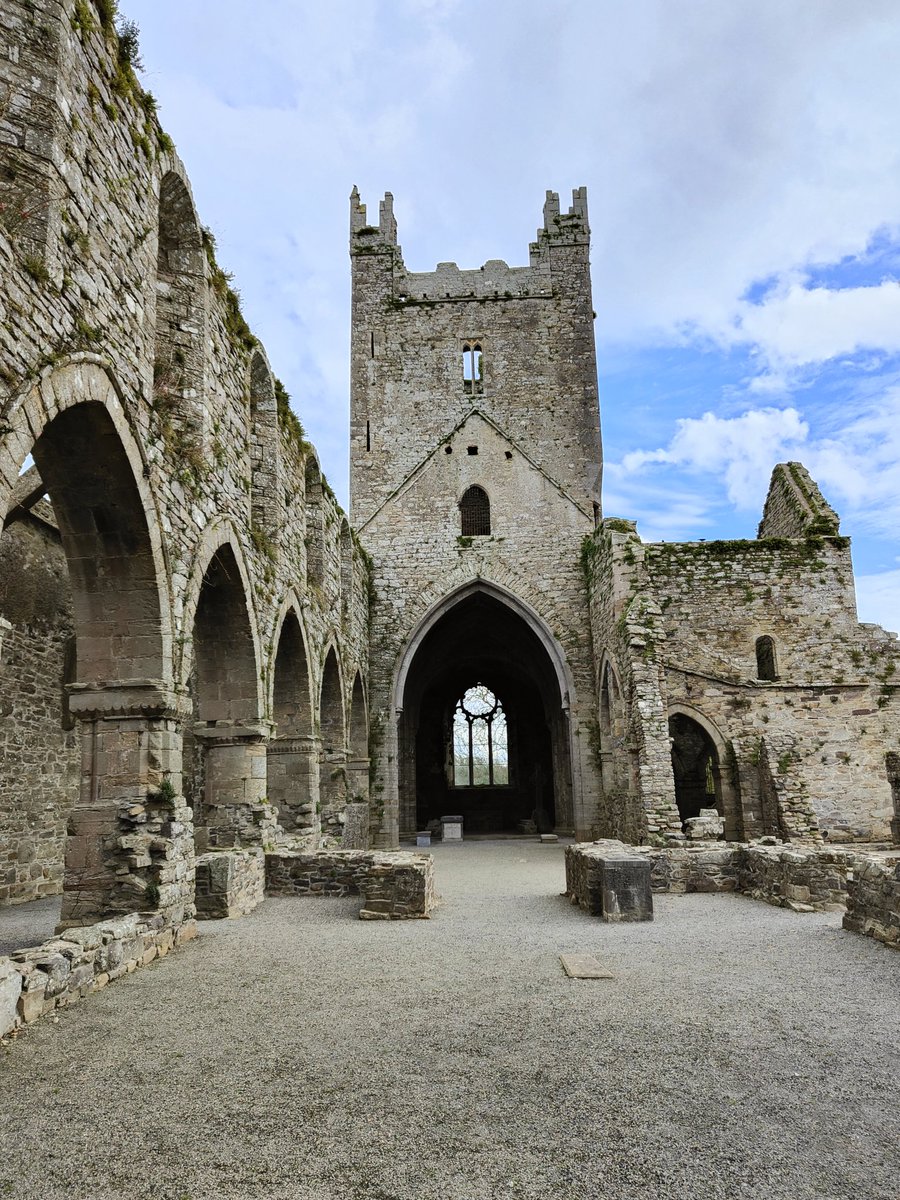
[197, 652]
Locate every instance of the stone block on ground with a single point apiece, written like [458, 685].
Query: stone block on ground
[230, 883]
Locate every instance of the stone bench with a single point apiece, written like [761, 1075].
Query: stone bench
[395, 885]
[610, 880]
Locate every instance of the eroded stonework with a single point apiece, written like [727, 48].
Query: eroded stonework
[197, 652]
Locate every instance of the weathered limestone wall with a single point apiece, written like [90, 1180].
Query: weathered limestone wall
[527, 432]
[873, 902]
[795, 507]
[39, 758]
[805, 754]
[395, 885]
[827, 720]
[178, 475]
[38, 979]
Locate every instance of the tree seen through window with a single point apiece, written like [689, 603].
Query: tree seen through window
[480, 744]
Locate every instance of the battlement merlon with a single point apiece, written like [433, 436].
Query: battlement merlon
[371, 238]
[570, 229]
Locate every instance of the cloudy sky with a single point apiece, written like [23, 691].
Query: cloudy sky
[742, 160]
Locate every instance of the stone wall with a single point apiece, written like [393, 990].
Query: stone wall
[39, 749]
[395, 885]
[38, 979]
[229, 883]
[873, 901]
[191, 510]
[803, 740]
[800, 878]
[526, 431]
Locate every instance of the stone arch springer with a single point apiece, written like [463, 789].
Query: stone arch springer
[84, 378]
[520, 607]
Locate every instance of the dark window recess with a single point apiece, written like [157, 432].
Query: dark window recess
[765, 658]
[448, 449]
[475, 512]
[368, 436]
[509, 453]
[472, 362]
[372, 344]
[471, 449]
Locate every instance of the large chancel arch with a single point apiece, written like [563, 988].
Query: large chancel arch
[483, 637]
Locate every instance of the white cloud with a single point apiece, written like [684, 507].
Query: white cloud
[796, 326]
[878, 599]
[739, 450]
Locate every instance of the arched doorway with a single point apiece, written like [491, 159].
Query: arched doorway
[696, 767]
[483, 731]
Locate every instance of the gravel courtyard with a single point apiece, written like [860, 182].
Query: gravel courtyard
[741, 1051]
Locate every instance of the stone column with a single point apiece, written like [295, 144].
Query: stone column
[293, 782]
[5, 627]
[130, 840]
[235, 804]
[333, 791]
[356, 822]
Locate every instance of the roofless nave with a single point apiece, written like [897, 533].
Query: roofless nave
[201, 651]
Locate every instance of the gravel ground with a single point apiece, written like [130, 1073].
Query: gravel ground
[28, 924]
[742, 1051]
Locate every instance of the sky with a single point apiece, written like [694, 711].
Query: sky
[742, 161]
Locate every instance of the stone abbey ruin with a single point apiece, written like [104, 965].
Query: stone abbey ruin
[213, 681]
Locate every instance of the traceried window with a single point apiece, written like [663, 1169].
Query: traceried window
[472, 364]
[475, 512]
[480, 742]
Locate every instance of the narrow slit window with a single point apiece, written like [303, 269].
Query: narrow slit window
[472, 366]
[766, 667]
[368, 436]
[475, 512]
[480, 741]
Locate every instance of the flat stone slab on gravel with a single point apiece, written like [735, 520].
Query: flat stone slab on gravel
[583, 966]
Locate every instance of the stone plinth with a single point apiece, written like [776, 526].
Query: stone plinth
[396, 885]
[230, 883]
[609, 880]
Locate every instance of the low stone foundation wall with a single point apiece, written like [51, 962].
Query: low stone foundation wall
[395, 885]
[873, 902]
[38, 979]
[230, 883]
[803, 878]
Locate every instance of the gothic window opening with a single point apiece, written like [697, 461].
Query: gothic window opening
[472, 367]
[480, 741]
[475, 512]
[766, 667]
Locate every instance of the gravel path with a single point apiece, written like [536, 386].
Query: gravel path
[28, 924]
[741, 1052]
